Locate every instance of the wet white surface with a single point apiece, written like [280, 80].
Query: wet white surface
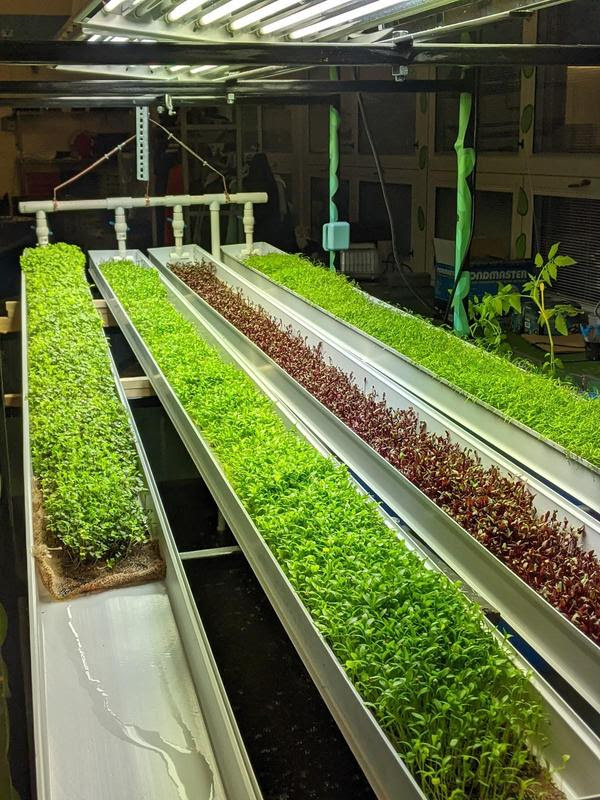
[122, 714]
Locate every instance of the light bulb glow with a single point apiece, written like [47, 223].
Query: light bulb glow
[205, 68]
[224, 11]
[261, 13]
[341, 19]
[182, 9]
[301, 16]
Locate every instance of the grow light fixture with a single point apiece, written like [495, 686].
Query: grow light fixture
[261, 13]
[205, 68]
[301, 16]
[182, 9]
[362, 12]
[112, 5]
[224, 11]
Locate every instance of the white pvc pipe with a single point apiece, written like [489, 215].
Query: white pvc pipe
[178, 226]
[111, 203]
[215, 230]
[42, 230]
[121, 229]
[248, 220]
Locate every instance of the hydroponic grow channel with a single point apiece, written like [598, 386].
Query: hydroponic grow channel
[126, 697]
[574, 655]
[381, 764]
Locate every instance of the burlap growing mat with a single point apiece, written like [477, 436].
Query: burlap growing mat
[65, 578]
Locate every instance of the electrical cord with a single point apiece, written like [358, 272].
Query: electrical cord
[193, 153]
[386, 200]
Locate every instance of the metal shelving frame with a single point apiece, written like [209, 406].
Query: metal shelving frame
[383, 768]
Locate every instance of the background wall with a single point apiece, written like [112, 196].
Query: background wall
[538, 175]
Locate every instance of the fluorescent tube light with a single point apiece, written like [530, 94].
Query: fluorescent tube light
[182, 9]
[179, 67]
[120, 39]
[94, 37]
[339, 19]
[261, 13]
[300, 16]
[205, 68]
[224, 11]
[112, 5]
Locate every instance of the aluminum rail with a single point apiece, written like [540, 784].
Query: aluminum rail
[133, 668]
[552, 635]
[549, 462]
[380, 763]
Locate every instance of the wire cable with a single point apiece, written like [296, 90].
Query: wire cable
[83, 172]
[193, 153]
[386, 202]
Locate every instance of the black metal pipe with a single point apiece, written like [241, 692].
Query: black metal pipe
[245, 88]
[487, 55]
[265, 54]
[296, 54]
[230, 53]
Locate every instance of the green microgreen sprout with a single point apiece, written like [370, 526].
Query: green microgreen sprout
[82, 449]
[445, 691]
[553, 408]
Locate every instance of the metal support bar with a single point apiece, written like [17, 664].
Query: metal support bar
[210, 552]
[227, 53]
[247, 88]
[293, 53]
[489, 55]
[142, 143]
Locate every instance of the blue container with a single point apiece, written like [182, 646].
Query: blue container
[485, 277]
[336, 236]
